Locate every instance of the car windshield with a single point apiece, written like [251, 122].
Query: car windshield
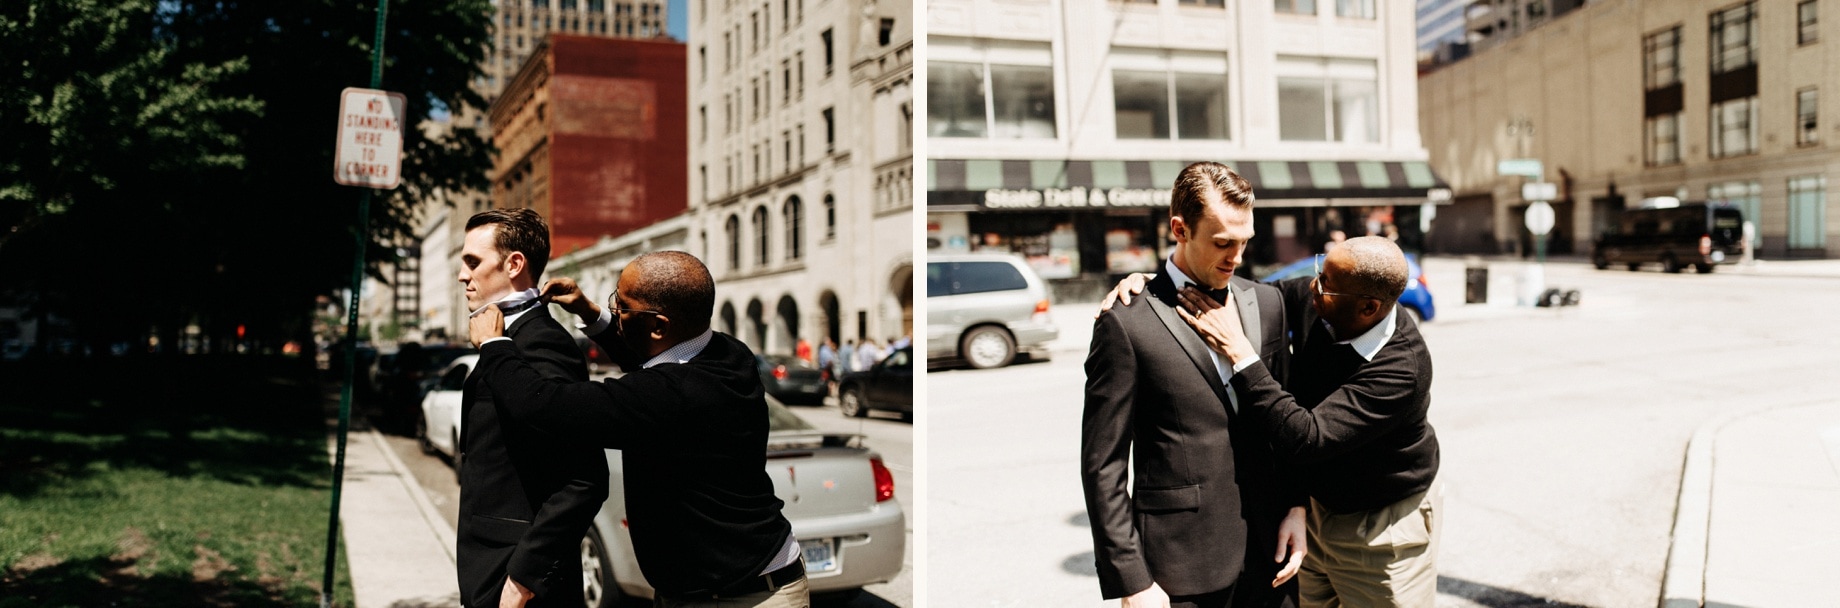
[782, 420]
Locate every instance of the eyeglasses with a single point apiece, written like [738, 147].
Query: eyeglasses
[614, 297]
[1317, 283]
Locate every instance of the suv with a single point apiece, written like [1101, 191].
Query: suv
[985, 308]
[1674, 234]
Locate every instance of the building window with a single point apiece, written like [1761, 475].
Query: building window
[830, 131]
[828, 55]
[703, 179]
[1734, 38]
[907, 127]
[702, 123]
[795, 228]
[733, 232]
[754, 87]
[1806, 22]
[785, 91]
[760, 236]
[1171, 101]
[1807, 118]
[830, 217]
[1322, 99]
[1808, 212]
[1215, 3]
[800, 137]
[999, 94]
[1661, 65]
[1663, 135]
[1364, 9]
[786, 136]
[887, 31]
[1295, 7]
[798, 65]
[754, 31]
[1734, 127]
[728, 52]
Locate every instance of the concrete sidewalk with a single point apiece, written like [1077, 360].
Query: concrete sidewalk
[400, 550]
[1758, 522]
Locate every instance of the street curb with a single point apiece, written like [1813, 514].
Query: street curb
[1683, 578]
[426, 507]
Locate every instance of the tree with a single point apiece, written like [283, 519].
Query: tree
[169, 162]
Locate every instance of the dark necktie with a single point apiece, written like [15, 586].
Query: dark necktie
[1219, 295]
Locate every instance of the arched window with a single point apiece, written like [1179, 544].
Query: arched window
[830, 217]
[795, 226]
[760, 235]
[734, 242]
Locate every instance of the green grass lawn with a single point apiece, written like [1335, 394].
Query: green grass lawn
[197, 481]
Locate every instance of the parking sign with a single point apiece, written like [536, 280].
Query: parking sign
[369, 152]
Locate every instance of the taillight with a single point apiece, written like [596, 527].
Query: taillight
[779, 372]
[1041, 311]
[1705, 244]
[884, 481]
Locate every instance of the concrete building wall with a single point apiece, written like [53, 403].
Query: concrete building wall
[1571, 94]
[800, 145]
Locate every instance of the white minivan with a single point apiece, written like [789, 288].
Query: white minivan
[984, 309]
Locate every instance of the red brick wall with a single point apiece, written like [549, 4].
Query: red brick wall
[619, 140]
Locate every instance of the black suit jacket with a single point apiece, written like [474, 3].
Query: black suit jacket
[1357, 430]
[526, 497]
[1152, 390]
[693, 438]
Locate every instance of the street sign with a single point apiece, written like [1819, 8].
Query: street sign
[1529, 167]
[1540, 218]
[370, 138]
[1540, 191]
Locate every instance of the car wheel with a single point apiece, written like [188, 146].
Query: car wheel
[1669, 264]
[987, 347]
[1634, 266]
[597, 586]
[1600, 261]
[1703, 268]
[421, 435]
[852, 403]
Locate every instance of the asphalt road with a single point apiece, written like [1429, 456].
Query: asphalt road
[1562, 432]
[884, 433]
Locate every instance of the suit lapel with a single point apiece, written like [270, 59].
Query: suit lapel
[1162, 300]
[1248, 301]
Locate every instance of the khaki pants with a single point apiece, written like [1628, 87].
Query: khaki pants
[793, 595]
[1384, 557]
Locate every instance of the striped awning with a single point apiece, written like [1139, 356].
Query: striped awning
[959, 182]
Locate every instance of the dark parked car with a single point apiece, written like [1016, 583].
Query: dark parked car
[1673, 234]
[1416, 299]
[792, 380]
[411, 373]
[887, 386]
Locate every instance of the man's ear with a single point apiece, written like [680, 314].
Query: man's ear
[516, 264]
[661, 327]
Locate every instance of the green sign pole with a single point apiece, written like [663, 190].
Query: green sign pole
[362, 238]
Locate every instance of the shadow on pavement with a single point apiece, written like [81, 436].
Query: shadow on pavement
[1083, 564]
[1495, 597]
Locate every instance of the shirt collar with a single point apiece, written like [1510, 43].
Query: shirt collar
[683, 352]
[1181, 278]
[515, 299]
[1368, 344]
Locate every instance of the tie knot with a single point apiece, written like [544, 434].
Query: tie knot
[1219, 295]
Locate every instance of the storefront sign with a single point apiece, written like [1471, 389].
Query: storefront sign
[1076, 198]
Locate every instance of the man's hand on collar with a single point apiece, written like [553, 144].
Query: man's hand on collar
[486, 324]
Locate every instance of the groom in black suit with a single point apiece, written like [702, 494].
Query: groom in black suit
[1210, 521]
[690, 417]
[526, 498]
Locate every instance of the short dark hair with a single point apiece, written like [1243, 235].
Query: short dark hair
[1379, 268]
[676, 284]
[519, 229]
[1189, 196]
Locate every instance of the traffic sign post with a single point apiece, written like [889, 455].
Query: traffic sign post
[373, 121]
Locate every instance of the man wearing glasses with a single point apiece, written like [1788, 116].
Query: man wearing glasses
[690, 417]
[1352, 417]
